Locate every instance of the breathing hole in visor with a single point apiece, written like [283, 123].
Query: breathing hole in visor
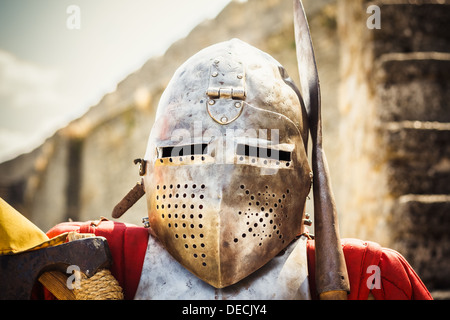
[259, 152]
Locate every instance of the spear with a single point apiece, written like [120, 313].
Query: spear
[331, 271]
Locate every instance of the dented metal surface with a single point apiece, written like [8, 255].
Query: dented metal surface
[226, 189]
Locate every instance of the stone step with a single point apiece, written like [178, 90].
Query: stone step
[420, 232]
[414, 86]
[426, 215]
[409, 26]
[441, 294]
[418, 157]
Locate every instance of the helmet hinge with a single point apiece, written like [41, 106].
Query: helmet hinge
[226, 90]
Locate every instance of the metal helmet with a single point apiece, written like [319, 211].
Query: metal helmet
[226, 170]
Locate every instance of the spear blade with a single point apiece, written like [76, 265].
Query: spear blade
[331, 271]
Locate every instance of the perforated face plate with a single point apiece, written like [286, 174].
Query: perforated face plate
[180, 208]
[264, 216]
[219, 225]
[185, 219]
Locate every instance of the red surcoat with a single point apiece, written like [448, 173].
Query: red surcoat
[396, 278]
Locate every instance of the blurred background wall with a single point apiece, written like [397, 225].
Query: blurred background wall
[386, 116]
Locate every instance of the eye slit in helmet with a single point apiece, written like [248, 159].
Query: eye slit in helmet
[259, 152]
[185, 150]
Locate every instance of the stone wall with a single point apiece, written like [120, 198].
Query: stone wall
[396, 129]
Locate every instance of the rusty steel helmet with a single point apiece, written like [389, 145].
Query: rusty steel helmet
[226, 171]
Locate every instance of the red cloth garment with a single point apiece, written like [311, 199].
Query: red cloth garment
[395, 280]
[127, 243]
[372, 269]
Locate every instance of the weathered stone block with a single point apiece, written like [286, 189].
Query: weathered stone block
[409, 27]
[418, 158]
[427, 215]
[420, 233]
[415, 87]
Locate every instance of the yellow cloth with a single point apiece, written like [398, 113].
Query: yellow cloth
[18, 234]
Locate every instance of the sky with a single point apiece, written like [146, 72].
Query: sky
[60, 57]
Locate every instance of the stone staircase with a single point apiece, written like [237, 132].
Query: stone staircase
[414, 109]
[401, 102]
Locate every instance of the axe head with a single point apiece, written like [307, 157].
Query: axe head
[19, 272]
